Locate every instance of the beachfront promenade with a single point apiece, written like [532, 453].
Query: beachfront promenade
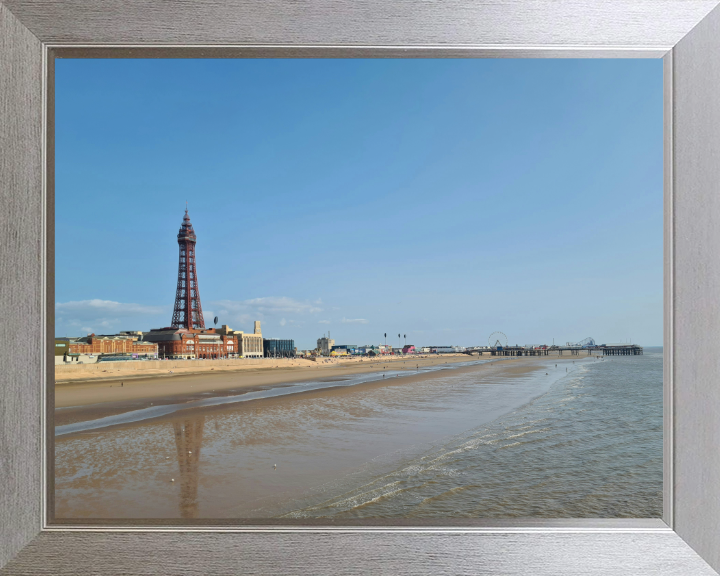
[66, 373]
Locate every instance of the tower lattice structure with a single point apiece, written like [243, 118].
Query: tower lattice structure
[188, 310]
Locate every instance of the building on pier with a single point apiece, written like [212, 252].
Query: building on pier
[621, 349]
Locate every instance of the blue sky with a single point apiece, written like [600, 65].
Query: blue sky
[442, 199]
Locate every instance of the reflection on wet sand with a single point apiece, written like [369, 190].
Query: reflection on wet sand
[188, 441]
[325, 442]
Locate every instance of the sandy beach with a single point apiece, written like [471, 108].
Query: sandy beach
[512, 437]
[109, 371]
[314, 436]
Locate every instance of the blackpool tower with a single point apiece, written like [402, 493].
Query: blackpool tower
[188, 311]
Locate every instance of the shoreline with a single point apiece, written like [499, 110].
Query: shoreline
[203, 406]
[87, 402]
[197, 394]
[122, 388]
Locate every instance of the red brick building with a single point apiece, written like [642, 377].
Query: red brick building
[184, 343]
[115, 344]
[208, 343]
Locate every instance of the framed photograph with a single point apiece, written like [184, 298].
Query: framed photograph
[272, 391]
[73, 504]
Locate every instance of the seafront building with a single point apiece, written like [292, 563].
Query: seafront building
[343, 349]
[277, 348]
[325, 345]
[208, 343]
[89, 348]
[443, 349]
[187, 337]
[249, 345]
[177, 343]
[369, 349]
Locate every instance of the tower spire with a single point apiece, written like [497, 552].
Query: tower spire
[187, 312]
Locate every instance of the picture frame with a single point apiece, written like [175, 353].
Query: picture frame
[685, 33]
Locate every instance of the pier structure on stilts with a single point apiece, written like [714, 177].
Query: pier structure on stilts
[601, 350]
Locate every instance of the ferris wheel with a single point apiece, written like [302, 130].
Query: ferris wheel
[497, 340]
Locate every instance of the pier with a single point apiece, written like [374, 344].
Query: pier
[602, 350]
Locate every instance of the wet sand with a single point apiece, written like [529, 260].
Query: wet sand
[218, 462]
[80, 401]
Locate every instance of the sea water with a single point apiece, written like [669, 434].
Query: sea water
[591, 446]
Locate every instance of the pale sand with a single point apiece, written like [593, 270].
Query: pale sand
[108, 371]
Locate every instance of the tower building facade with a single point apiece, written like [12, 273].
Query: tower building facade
[187, 312]
[187, 337]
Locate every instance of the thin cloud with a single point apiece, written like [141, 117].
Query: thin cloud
[96, 307]
[268, 305]
[324, 322]
[87, 316]
[354, 321]
[281, 309]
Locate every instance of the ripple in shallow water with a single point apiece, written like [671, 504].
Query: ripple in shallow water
[590, 447]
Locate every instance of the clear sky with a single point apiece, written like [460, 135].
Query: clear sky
[441, 199]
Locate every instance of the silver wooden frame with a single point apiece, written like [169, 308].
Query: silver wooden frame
[686, 33]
